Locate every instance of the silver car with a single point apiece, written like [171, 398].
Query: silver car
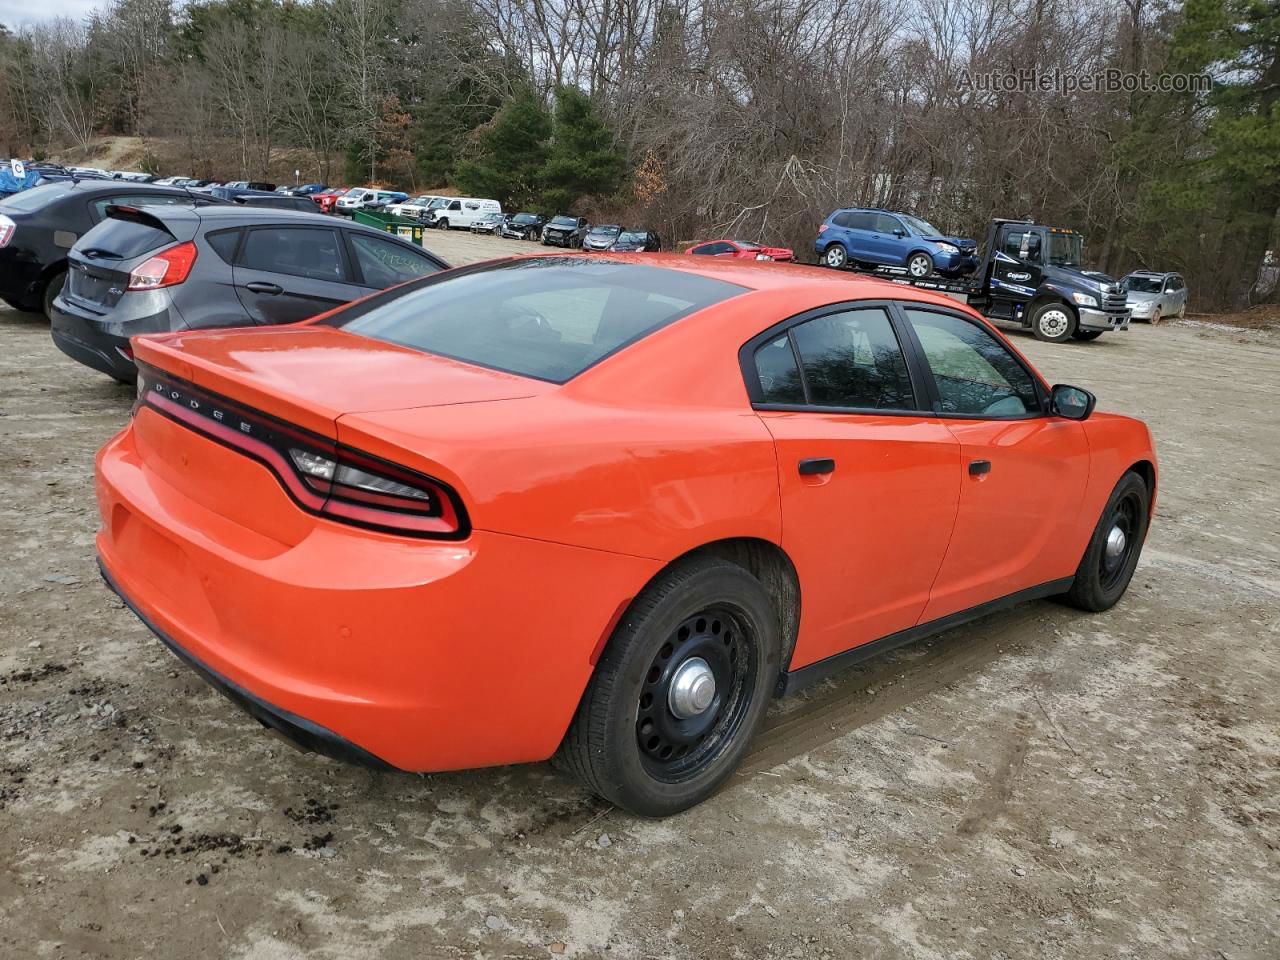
[1154, 296]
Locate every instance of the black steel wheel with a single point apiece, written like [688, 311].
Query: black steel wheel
[679, 691]
[1112, 555]
[695, 693]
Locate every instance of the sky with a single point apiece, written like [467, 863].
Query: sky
[15, 13]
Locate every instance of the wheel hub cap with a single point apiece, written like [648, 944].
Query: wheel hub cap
[693, 688]
[1054, 323]
[1116, 542]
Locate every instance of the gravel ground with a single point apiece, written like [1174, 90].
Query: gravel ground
[1043, 783]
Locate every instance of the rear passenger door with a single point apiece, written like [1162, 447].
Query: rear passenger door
[869, 476]
[284, 274]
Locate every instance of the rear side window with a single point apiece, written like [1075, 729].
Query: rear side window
[547, 318]
[124, 239]
[224, 243]
[384, 263]
[860, 221]
[853, 359]
[778, 372]
[297, 251]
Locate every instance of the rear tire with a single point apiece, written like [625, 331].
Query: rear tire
[836, 257]
[1053, 322]
[16, 305]
[51, 291]
[1087, 334]
[1112, 555]
[628, 742]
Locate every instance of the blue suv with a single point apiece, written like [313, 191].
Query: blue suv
[883, 238]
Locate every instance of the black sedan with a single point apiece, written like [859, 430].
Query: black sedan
[39, 226]
[157, 269]
[637, 241]
[524, 226]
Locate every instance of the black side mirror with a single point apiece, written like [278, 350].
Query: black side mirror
[1074, 403]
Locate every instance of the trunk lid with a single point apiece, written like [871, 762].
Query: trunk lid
[312, 375]
[98, 267]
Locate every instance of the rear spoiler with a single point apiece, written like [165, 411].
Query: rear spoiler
[180, 222]
[120, 211]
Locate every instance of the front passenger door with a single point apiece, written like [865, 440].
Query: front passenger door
[1022, 472]
[284, 274]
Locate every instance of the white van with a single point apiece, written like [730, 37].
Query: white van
[461, 212]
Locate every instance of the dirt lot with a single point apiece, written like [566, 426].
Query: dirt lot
[1043, 783]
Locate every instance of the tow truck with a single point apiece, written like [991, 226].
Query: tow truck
[1030, 274]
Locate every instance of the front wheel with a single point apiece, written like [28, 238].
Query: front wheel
[1156, 316]
[919, 265]
[443, 224]
[1054, 322]
[836, 257]
[679, 692]
[1112, 555]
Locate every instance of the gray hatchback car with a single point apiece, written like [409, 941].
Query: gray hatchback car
[161, 269]
[1155, 296]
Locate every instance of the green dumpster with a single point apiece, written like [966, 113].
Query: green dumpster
[402, 227]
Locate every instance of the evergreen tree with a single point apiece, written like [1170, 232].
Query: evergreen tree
[510, 153]
[583, 160]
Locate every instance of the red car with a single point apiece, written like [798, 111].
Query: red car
[600, 510]
[326, 200]
[741, 250]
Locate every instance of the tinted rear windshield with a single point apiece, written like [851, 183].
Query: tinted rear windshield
[114, 239]
[35, 198]
[564, 221]
[549, 318]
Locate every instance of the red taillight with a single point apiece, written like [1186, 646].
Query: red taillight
[823, 227]
[321, 477]
[166, 269]
[7, 227]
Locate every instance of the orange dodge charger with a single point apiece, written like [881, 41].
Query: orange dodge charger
[600, 510]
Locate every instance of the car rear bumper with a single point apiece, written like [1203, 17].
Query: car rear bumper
[425, 655]
[88, 343]
[103, 343]
[299, 730]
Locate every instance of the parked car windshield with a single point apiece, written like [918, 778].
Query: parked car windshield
[605, 231]
[564, 222]
[525, 218]
[549, 318]
[922, 227]
[630, 236]
[1142, 284]
[747, 245]
[1065, 249]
